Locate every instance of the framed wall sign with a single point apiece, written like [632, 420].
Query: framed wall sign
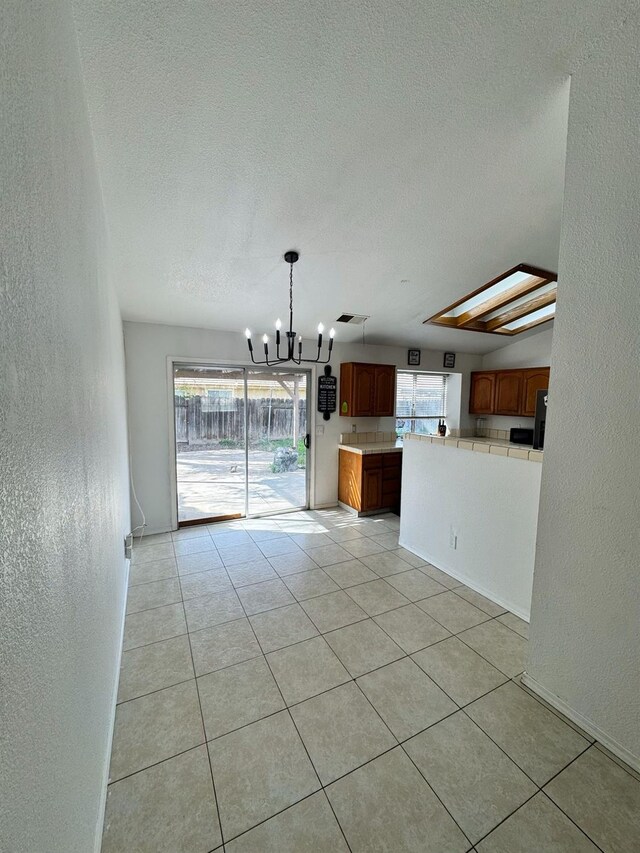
[327, 393]
[413, 357]
[449, 359]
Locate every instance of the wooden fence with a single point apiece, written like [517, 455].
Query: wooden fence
[269, 420]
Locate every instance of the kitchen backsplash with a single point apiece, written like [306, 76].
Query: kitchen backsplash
[367, 437]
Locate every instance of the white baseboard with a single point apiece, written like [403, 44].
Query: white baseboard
[472, 584]
[105, 780]
[576, 717]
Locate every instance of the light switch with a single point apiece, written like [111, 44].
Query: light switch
[320, 429]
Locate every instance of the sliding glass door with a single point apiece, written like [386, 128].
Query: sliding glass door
[277, 429]
[240, 439]
[211, 464]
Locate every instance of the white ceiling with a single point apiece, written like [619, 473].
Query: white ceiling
[410, 151]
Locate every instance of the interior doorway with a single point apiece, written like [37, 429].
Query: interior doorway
[241, 441]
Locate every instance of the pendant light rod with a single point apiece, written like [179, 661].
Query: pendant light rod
[291, 258]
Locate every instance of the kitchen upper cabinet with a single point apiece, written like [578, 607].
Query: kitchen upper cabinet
[507, 392]
[483, 388]
[367, 390]
[385, 390]
[535, 379]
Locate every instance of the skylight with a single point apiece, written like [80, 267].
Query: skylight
[517, 300]
[533, 319]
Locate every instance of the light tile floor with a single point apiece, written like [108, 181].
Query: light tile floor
[302, 684]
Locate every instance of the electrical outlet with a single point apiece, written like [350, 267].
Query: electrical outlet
[128, 546]
[319, 429]
[453, 538]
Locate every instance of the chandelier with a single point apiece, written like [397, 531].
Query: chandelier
[290, 257]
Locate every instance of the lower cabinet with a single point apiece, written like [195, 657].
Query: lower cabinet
[369, 482]
[371, 489]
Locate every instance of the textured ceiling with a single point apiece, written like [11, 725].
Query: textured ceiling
[410, 151]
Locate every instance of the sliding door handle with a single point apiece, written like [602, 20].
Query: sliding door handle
[307, 440]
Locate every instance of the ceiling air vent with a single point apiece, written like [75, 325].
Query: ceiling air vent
[354, 319]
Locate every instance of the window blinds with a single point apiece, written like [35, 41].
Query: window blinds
[421, 395]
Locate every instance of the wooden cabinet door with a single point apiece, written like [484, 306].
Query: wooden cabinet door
[385, 390]
[350, 479]
[371, 488]
[508, 392]
[482, 393]
[535, 379]
[363, 390]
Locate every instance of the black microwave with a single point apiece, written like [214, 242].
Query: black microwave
[519, 435]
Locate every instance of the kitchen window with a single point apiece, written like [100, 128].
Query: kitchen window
[421, 400]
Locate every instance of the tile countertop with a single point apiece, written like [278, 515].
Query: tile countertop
[373, 447]
[496, 446]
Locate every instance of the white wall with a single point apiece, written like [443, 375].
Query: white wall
[492, 504]
[148, 347]
[63, 471]
[586, 592]
[534, 351]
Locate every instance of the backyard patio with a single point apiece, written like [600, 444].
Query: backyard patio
[212, 482]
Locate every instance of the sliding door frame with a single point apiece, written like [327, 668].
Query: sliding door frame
[221, 364]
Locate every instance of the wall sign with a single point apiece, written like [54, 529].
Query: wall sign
[413, 357]
[449, 359]
[327, 393]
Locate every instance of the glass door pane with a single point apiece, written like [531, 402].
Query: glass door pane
[209, 405]
[276, 430]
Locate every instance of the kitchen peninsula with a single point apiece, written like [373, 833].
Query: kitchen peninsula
[470, 508]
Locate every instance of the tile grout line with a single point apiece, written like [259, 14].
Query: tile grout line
[299, 602]
[541, 791]
[433, 790]
[463, 708]
[562, 811]
[354, 679]
[204, 730]
[293, 722]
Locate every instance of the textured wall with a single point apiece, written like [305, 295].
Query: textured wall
[63, 469]
[148, 346]
[534, 351]
[586, 591]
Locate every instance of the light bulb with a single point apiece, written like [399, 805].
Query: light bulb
[278, 324]
[320, 328]
[299, 339]
[265, 339]
[247, 332]
[332, 333]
